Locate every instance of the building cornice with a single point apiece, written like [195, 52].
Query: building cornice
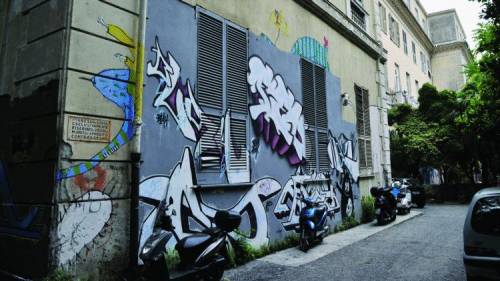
[412, 23]
[462, 45]
[340, 22]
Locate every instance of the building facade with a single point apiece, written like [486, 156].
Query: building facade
[451, 51]
[238, 105]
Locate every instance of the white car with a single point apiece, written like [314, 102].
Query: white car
[482, 236]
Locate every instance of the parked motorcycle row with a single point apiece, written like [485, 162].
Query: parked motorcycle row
[399, 198]
[204, 255]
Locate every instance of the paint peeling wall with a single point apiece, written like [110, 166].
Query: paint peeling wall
[276, 140]
[31, 60]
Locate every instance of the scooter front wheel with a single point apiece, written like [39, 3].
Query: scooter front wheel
[215, 274]
[304, 242]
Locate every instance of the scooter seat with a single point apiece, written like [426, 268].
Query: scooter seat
[190, 247]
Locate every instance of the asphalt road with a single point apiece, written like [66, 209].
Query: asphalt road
[428, 247]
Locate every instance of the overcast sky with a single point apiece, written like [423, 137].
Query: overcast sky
[468, 12]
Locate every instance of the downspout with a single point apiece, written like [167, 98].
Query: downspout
[136, 141]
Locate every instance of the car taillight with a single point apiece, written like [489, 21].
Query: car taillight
[480, 251]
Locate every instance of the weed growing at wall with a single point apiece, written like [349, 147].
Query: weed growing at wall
[346, 224]
[367, 209]
[61, 275]
[172, 258]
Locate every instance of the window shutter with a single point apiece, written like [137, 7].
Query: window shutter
[360, 120]
[307, 76]
[310, 150]
[324, 162]
[236, 85]
[320, 91]
[238, 145]
[211, 146]
[210, 54]
[363, 127]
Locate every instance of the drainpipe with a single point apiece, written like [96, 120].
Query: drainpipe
[136, 141]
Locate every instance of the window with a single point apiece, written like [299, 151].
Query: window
[383, 17]
[417, 86]
[363, 127]
[358, 15]
[405, 44]
[315, 116]
[394, 30]
[222, 88]
[429, 68]
[397, 78]
[417, 15]
[485, 217]
[408, 84]
[422, 62]
[414, 52]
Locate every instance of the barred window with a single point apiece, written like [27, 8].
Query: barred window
[222, 94]
[315, 116]
[363, 127]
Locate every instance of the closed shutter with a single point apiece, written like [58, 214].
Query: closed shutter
[222, 87]
[237, 95]
[236, 86]
[315, 116]
[310, 150]
[324, 162]
[363, 127]
[210, 64]
[210, 142]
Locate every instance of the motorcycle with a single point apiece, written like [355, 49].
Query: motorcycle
[203, 256]
[312, 223]
[401, 191]
[385, 205]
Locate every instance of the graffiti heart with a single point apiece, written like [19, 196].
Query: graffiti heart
[276, 113]
[173, 94]
[80, 222]
[190, 214]
[317, 187]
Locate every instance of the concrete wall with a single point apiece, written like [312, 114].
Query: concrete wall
[267, 202]
[443, 28]
[31, 79]
[448, 67]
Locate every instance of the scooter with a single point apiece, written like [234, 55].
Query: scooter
[400, 190]
[312, 223]
[203, 256]
[385, 205]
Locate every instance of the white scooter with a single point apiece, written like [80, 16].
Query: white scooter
[402, 193]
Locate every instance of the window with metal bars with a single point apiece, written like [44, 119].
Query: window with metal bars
[363, 127]
[315, 116]
[222, 93]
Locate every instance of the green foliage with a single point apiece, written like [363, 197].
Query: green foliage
[172, 258]
[367, 209]
[62, 275]
[346, 224]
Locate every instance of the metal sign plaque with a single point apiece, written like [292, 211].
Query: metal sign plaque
[89, 129]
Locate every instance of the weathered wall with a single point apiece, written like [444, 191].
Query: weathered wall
[90, 231]
[169, 142]
[448, 68]
[443, 28]
[32, 57]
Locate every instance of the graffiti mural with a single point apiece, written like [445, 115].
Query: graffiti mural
[312, 50]
[343, 160]
[190, 214]
[17, 224]
[277, 115]
[317, 187]
[277, 18]
[173, 94]
[113, 84]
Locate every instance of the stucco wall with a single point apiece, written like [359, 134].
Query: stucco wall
[448, 68]
[171, 162]
[405, 61]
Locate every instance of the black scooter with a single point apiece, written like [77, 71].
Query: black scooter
[385, 204]
[203, 256]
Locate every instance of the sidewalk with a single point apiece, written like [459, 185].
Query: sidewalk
[294, 257]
